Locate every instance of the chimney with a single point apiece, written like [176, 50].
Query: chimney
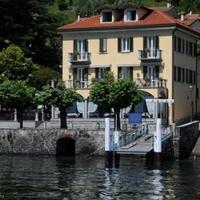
[182, 13]
[78, 17]
[169, 5]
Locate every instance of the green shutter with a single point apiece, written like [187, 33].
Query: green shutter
[131, 73]
[131, 44]
[119, 45]
[101, 45]
[119, 72]
[157, 71]
[96, 73]
[86, 45]
[157, 42]
[75, 46]
[144, 43]
[144, 72]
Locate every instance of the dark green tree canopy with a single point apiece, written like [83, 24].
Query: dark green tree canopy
[14, 65]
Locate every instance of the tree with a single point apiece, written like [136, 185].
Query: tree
[16, 95]
[14, 65]
[59, 96]
[29, 25]
[123, 93]
[63, 98]
[117, 95]
[43, 76]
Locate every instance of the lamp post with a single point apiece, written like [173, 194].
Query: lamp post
[191, 101]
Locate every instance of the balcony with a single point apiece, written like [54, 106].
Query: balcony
[77, 84]
[150, 55]
[79, 58]
[162, 83]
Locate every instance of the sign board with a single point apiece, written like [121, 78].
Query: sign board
[135, 118]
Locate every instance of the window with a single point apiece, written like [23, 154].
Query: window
[125, 73]
[100, 73]
[125, 44]
[175, 69]
[102, 45]
[107, 16]
[129, 15]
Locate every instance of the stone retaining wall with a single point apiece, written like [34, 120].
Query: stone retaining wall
[43, 141]
[185, 138]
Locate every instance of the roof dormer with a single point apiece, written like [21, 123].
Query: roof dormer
[108, 13]
[133, 12]
[130, 15]
[107, 16]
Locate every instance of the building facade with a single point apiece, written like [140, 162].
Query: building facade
[151, 46]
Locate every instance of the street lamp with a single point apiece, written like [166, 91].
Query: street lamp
[191, 102]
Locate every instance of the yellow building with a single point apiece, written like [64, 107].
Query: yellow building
[152, 46]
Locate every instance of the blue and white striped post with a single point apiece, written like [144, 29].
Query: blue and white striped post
[158, 139]
[108, 143]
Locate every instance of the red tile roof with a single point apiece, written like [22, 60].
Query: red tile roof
[153, 19]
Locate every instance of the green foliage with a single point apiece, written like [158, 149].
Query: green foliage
[64, 97]
[16, 94]
[123, 93]
[44, 96]
[117, 95]
[14, 65]
[43, 76]
[100, 95]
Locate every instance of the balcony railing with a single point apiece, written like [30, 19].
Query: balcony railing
[150, 54]
[79, 57]
[162, 83]
[76, 84]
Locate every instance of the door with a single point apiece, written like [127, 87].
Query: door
[151, 72]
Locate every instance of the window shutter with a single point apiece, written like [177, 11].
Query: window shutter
[144, 43]
[131, 44]
[101, 45]
[157, 71]
[131, 73]
[75, 46]
[119, 73]
[175, 43]
[119, 45]
[157, 42]
[96, 73]
[144, 72]
[86, 45]
[175, 73]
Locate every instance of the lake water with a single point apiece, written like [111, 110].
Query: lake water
[26, 177]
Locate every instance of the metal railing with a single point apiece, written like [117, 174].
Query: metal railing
[149, 54]
[79, 57]
[132, 136]
[161, 83]
[78, 84]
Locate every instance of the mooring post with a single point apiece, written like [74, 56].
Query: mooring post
[108, 143]
[158, 140]
[116, 145]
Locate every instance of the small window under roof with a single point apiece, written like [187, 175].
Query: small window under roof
[130, 15]
[107, 16]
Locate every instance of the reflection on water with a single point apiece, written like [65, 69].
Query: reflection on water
[25, 177]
